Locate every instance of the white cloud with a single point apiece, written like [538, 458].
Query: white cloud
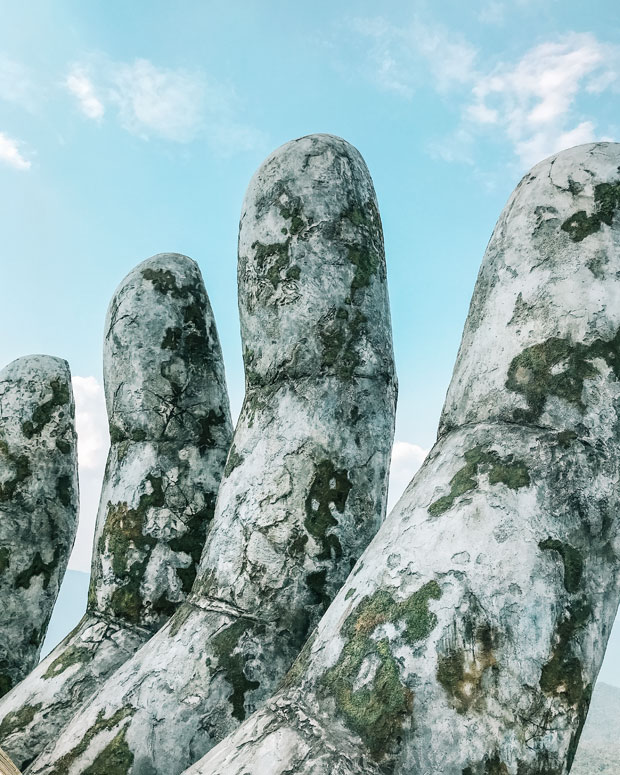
[16, 84]
[173, 104]
[93, 441]
[159, 101]
[400, 58]
[406, 459]
[11, 155]
[79, 84]
[533, 101]
[492, 13]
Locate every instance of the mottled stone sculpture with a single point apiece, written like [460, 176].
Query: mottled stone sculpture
[305, 483]
[38, 504]
[170, 430]
[468, 637]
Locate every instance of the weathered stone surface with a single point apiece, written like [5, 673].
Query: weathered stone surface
[305, 483]
[38, 504]
[469, 635]
[171, 430]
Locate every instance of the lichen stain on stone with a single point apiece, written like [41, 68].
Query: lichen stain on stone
[606, 203]
[233, 461]
[164, 281]
[63, 764]
[191, 542]
[5, 559]
[340, 332]
[64, 490]
[233, 665]
[73, 655]
[38, 567]
[490, 765]
[329, 488]
[19, 465]
[558, 367]
[316, 582]
[562, 676]
[44, 412]
[172, 338]
[366, 262]
[505, 470]
[461, 669]
[273, 261]
[377, 710]
[206, 426]
[571, 558]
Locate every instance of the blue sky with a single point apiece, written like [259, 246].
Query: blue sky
[128, 129]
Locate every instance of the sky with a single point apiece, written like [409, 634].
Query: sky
[129, 129]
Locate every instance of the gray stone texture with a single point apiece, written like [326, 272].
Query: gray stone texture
[306, 478]
[38, 504]
[170, 430]
[470, 633]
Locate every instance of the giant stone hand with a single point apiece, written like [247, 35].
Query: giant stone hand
[306, 480]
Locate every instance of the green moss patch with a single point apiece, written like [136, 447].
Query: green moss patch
[64, 763]
[123, 534]
[224, 644]
[606, 203]
[558, 367]
[72, 655]
[572, 559]
[18, 720]
[115, 759]
[377, 710]
[501, 470]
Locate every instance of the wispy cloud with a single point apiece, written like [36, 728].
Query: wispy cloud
[80, 85]
[155, 102]
[533, 101]
[16, 84]
[11, 155]
[401, 58]
[406, 459]
[93, 441]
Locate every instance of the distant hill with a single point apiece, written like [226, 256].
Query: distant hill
[599, 748]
